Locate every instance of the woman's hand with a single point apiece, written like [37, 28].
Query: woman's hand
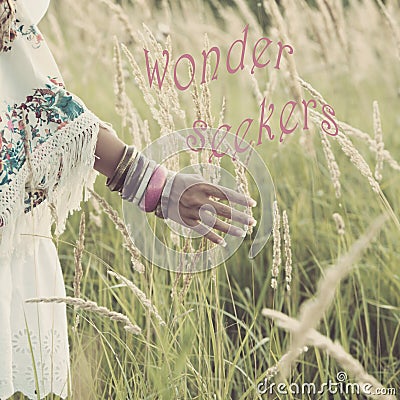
[192, 203]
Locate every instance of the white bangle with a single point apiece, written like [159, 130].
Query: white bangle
[166, 194]
[144, 181]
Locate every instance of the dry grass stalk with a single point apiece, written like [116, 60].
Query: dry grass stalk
[194, 156]
[276, 235]
[242, 185]
[255, 86]
[120, 225]
[174, 289]
[379, 141]
[133, 123]
[205, 98]
[317, 95]
[340, 226]
[272, 8]
[188, 267]
[351, 131]
[393, 26]
[326, 17]
[352, 153]
[357, 160]
[290, 73]
[333, 166]
[195, 95]
[78, 252]
[222, 112]
[140, 295]
[318, 29]
[119, 83]
[313, 310]
[168, 96]
[274, 370]
[211, 170]
[141, 82]
[93, 307]
[288, 250]
[95, 216]
[123, 18]
[336, 13]
[186, 284]
[335, 350]
[146, 133]
[248, 15]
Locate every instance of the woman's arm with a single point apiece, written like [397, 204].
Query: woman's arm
[109, 150]
[189, 194]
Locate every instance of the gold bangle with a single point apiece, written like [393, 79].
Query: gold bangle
[120, 183]
[110, 181]
[121, 168]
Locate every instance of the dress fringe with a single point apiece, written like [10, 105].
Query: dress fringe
[63, 168]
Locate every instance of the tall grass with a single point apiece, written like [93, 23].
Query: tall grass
[215, 343]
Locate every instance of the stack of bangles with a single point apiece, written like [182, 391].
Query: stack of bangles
[142, 182]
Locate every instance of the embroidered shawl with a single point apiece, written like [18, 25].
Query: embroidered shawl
[47, 135]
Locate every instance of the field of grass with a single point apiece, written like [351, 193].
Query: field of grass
[217, 342]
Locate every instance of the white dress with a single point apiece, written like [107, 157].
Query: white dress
[47, 143]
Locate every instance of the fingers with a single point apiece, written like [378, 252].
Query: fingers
[230, 213]
[206, 232]
[211, 221]
[224, 193]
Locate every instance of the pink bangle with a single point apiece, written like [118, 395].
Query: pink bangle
[154, 189]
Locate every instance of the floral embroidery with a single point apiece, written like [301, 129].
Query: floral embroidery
[44, 112]
[14, 371]
[52, 342]
[21, 340]
[31, 33]
[41, 372]
[61, 371]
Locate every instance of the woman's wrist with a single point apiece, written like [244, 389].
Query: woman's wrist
[115, 183]
[141, 181]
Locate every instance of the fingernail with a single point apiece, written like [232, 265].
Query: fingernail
[252, 203]
[252, 222]
[222, 242]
